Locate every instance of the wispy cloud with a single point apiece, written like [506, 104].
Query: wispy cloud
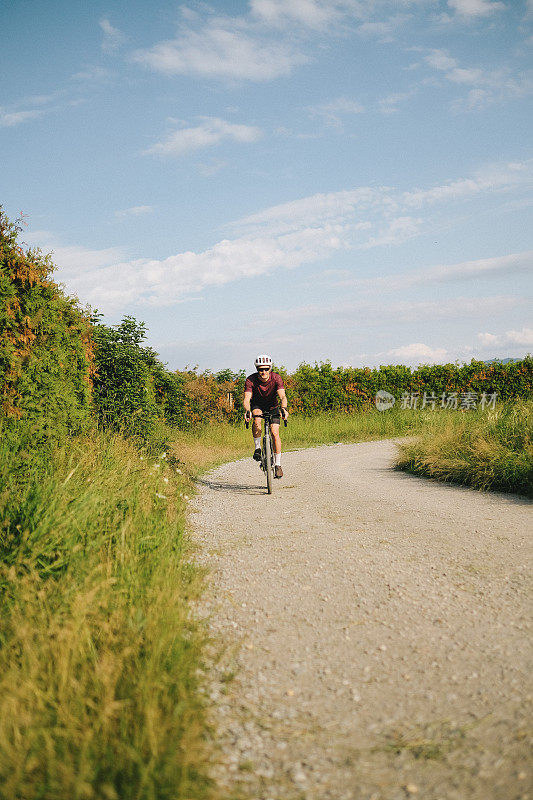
[509, 265]
[210, 132]
[282, 237]
[475, 8]
[488, 179]
[417, 353]
[224, 47]
[362, 208]
[334, 112]
[385, 30]
[484, 86]
[134, 211]
[92, 73]
[8, 119]
[317, 15]
[113, 38]
[390, 103]
[268, 41]
[374, 313]
[523, 338]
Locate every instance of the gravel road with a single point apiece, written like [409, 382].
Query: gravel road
[375, 629]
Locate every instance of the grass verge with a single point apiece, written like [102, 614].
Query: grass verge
[99, 655]
[486, 450]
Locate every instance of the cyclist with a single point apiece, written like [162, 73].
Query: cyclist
[264, 391]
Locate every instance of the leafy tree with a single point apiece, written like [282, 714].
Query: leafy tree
[45, 343]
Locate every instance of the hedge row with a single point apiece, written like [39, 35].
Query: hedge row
[311, 388]
[321, 387]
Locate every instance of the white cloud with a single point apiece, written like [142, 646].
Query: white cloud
[523, 338]
[224, 48]
[383, 29]
[314, 14]
[143, 281]
[475, 8]
[8, 119]
[268, 41]
[134, 211]
[487, 86]
[417, 352]
[113, 38]
[332, 113]
[94, 73]
[210, 132]
[282, 237]
[481, 269]
[390, 103]
[487, 339]
[366, 207]
[398, 230]
[490, 178]
[334, 207]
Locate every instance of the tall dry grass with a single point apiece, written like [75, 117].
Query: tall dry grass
[491, 449]
[99, 656]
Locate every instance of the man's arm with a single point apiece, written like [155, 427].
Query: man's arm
[246, 402]
[283, 402]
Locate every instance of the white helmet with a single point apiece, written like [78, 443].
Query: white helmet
[263, 361]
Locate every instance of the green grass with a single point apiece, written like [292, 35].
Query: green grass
[212, 444]
[100, 694]
[99, 656]
[484, 449]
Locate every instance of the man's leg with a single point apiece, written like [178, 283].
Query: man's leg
[276, 440]
[256, 432]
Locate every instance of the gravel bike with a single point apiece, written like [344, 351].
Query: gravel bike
[267, 451]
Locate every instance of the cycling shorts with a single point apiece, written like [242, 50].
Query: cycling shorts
[276, 413]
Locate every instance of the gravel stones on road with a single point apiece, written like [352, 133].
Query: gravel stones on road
[374, 631]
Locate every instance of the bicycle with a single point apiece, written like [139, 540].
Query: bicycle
[267, 451]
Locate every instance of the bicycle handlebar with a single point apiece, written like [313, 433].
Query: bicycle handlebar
[262, 416]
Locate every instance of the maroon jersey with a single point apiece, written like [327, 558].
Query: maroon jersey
[264, 395]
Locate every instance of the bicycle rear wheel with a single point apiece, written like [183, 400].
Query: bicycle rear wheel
[268, 462]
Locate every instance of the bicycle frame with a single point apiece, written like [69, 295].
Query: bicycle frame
[267, 451]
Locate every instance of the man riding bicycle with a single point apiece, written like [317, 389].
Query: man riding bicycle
[263, 391]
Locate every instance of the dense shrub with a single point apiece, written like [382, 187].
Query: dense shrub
[132, 388]
[46, 352]
[209, 396]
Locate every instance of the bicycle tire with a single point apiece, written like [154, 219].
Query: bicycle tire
[268, 462]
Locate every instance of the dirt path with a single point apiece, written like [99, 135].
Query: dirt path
[380, 628]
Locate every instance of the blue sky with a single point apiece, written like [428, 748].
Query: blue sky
[316, 179]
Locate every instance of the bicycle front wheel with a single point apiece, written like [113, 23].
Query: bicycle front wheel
[268, 462]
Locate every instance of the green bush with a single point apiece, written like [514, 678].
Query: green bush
[132, 388]
[45, 344]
